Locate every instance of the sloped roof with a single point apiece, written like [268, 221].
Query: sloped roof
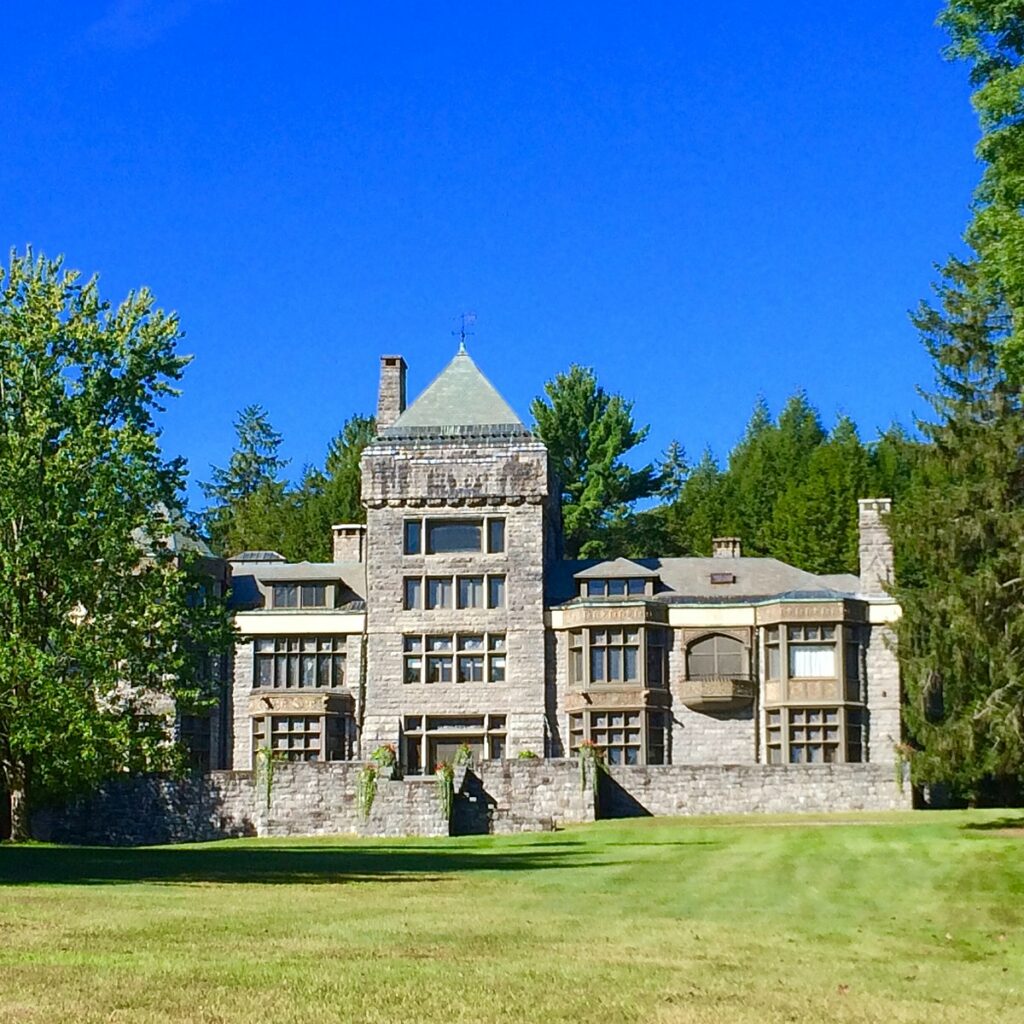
[247, 577]
[689, 579]
[620, 568]
[459, 401]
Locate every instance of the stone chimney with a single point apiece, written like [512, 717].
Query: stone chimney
[876, 557]
[349, 542]
[391, 395]
[726, 547]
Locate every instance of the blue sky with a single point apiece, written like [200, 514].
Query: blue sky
[703, 204]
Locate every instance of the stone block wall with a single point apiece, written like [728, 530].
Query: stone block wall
[151, 809]
[320, 799]
[746, 789]
[883, 695]
[498, 798]
[531, 795]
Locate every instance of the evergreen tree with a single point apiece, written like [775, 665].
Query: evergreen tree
[814, 520]
[96, 613]
[248, 498]
[329, 496]
[989, 36]
[587, 432]
[768, 460]
[961, 636]
[699, 512]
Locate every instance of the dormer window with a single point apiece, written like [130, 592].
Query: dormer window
[616, 588]
[299, 595]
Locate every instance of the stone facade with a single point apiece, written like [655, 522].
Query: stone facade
[450, 618]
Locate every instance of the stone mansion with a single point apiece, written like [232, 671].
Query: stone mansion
[451, 618]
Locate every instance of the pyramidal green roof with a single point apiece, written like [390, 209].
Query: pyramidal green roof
[459, 401]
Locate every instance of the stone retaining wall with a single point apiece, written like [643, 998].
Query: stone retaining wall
[499, 797]
[744, 789]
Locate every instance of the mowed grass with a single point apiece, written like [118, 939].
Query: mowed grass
[903, 917]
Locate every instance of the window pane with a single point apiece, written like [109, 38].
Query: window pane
[308, 677]
[497, 668]
[496, 592]
[264, 671]
[616, 588]
[439, 592]
[412, 537]
[413, 592]
[614, 664]
[655, 665]
[439, 670]
[495, 535]
[286, 595]
[471, 591]
[632, 655]
[853, 662]
[314, 595]
[596, 588]
[636, 587]
[812, 661]
[413, 669]
[471, 643]
[471, 669]
[774, 663]
[453, 536]
[597, 666]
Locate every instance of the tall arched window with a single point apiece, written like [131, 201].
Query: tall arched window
[716, 656]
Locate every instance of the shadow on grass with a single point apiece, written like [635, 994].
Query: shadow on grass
[29, 865]
[996, 825]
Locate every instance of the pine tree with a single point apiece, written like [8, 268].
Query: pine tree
[248, 497]
[587, 432]
[814, 520]
[961, 525]
[769, 459]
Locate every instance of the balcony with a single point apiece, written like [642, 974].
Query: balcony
[717, 693]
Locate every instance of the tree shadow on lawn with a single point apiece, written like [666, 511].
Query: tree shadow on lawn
[996, 825]
[264, 864]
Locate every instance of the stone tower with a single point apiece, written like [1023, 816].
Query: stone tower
[458, 519]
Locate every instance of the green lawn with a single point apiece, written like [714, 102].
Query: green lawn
[902, 917]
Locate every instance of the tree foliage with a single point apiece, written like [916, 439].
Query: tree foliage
[96, 613]
[989, 36]
[248, 502]
[587, 432]
[254, 508]
[961, 527]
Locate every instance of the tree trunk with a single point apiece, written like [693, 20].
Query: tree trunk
[17, 785]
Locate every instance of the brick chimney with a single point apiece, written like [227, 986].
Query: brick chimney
[391, 395]
[349, 542]
[876, 555]
[726, 547]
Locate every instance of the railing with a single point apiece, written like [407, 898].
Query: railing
[717, 693]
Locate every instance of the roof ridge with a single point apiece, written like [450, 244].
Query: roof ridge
[460, 400]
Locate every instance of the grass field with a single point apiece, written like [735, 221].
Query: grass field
[903, 917]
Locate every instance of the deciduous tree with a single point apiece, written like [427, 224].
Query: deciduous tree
[96, 611]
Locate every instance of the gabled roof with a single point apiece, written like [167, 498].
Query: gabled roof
[459, 401]
[620, 568]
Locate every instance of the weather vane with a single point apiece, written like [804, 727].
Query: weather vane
[467, 320]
